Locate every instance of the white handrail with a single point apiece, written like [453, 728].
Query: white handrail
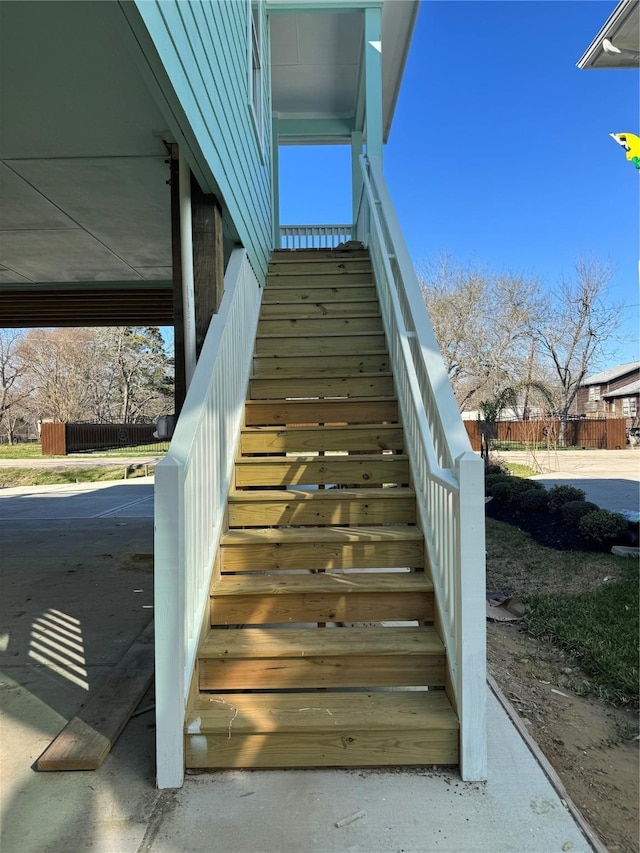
[313, 236]
[191, 486]
[447, 475]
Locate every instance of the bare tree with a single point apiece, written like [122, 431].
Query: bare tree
[482, 322]
[579, 326]
[15, 389]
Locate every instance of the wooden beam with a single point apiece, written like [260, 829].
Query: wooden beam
[208, 258]
[87, 739]
[178, 312]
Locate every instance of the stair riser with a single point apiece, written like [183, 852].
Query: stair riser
[364, 440]
[270, 514]
[353, 671]
[312, 293]
[320, 326]
[303, 608]
[311, 310]
[344, 748]
[286, 557]
[324, 470]
[274, 367]
[332, 345]
[329, 268]
[325, 411]
[351, 387]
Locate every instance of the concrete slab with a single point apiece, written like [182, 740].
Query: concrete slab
[84, 586]
[118, 499]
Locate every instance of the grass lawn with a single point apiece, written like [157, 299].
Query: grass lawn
[33, 450]
[585, 602]
[53, 476]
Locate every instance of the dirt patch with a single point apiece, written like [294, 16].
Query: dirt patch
[591, 744]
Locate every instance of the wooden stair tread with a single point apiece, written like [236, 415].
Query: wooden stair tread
[301, 535]
[319, 334]
[345, 584]
[379, 711]
[260, 643]
[341, 495]
[303, 460]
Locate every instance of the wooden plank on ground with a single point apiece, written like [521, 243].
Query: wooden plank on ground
[86, 740]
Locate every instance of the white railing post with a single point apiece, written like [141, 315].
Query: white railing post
[191, 486]
[471, 619]
[447, 475]
[169, 617]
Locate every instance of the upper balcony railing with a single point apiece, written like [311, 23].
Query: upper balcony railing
[313, 236]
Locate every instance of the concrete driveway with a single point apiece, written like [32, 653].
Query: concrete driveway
[610, 478]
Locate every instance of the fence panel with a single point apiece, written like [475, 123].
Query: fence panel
[53, 437]
[587, 433]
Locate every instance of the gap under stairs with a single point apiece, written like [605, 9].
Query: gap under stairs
[322, 649]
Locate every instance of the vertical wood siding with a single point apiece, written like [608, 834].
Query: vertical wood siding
[203, 48]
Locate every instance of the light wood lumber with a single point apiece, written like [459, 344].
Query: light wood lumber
[360, 411]
[351, 387]
[312, 439]
[87, 738]
[320, 365]
[325, 470]
[349, 506]
[338, 344]
[289, 293]
[321, 326]
[319, 308]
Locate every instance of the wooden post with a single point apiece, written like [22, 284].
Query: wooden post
[208, 259]
[373, 81]
[180, 381]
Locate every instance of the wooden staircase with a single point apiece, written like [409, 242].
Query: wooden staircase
[322, 649]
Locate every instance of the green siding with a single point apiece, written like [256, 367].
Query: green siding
[202, 50]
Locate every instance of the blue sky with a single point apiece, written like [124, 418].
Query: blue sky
[499, 151]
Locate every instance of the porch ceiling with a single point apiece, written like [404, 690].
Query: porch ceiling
[82, 172]
[317, 73]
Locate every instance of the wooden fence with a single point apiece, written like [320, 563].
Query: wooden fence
[58, 439]
[598, 433]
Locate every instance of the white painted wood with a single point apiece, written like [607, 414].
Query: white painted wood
[373, 80]
[192, 483]
[186, 258]
[313, 236]
[472, 668]
[447, 475]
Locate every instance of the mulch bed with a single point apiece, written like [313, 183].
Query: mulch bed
[550, 530]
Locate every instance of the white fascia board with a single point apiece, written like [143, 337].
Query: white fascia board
[610, 30]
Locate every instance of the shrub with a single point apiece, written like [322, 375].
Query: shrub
[573, 511]
[501, 491]
[508, 489]
[534, 500]
[602, 526]
[490, 470]
[560, 495]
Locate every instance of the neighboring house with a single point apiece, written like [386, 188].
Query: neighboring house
[612, 393]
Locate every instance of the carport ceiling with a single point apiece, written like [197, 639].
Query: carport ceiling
[82, 159]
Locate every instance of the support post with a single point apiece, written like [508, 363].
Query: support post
[471, 668]
[275, 177]
[169, 593]
[180, 383]
[208, 259]
[356, 175]
[373, 80]
[186, 257]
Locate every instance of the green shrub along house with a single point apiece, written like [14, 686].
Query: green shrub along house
[140, 177]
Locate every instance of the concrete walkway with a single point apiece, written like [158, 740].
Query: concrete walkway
[92, 577]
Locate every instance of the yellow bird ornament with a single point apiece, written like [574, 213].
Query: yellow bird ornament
[631, 144]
